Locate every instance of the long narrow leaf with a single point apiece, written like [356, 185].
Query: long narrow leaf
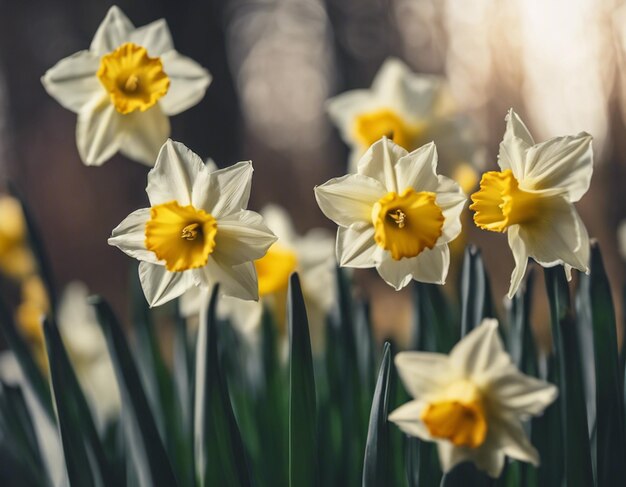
[476, 301]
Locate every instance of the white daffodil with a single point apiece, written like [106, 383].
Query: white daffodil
[471, 402]
[395, 214]
[197, 231]
[87, 348]
[310, 255]
[412, 109]
[124, 87]
[532, 198]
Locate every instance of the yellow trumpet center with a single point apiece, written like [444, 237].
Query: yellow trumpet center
[372, 126]
[406, 224]
[459, 418]
[134, 80]
[500, 202]
[274, 268]
[182, 236]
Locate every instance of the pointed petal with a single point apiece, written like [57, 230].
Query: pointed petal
[242, 237]
[562, 162]
[516, 142]
[450, 456]
[480, 352]
[451, 199]
[407, 418]
[423, 372]
[130, 236]
[520, 394]
[238, 281]
[418, 170]
[114, 31]
[431, 265]
[512, 440]
[349, 199]
[489, 459]
[379, 163]
[177, 171]
[355, 247]
[160, 285]
[396, 273]
[520, 254]
[98, 133]
[73, 81]
[155, 37]
[228, 190]
[145, 134]
[188, 83]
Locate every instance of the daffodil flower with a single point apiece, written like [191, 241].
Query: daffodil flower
[471, 402]
[531, 198]
[395, 214]
[124, 87]
[197, 231]
[411, 109]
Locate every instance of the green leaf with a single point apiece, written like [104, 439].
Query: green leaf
[596, 313]
[219, 453]
[575, 439]
[303, 470]
[476, 301]
[146, 447]
[434, 321]
[22, 353]
[376, 466]
[84, 455]
[520, 340]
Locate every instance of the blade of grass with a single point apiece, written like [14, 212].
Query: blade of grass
[476, 301]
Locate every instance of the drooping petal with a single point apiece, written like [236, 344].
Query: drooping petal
[450, 456]
[160, 285]
[130, 236]
[155, 37]
[480, 352]
[423, 372]
[562, 162]
[349, 199]
[114, 31]
[73, 81]
[558, 237]
[520, 394]
[396, 273]
[242, 237]
[516, 142]
[418, 170]
[407, 418]
[188, 83]
[451, 199]
[520, 254]
[144, 134]
[177, 172]
[489, 459]
[98, 134]
[228, 190]
[508, 433]
[431, 265]
[355, 247]
[379, 163]
[239, 281]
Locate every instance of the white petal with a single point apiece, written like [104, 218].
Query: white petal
[562, 162]
[155, 37]
[355, 247]
[278, 221]
[160, 285]
[130, 236]
[349, 199]
[228, 190]
[516, 142]
[559, 237]
[188, 83]
[489, 459]
[511, 438]
[520, 394]
[451, 199]
[238, 281]
[194, 300]
[242, 237]
[144, 134]
[98, 131]
[379, 163]
[176, 174]
[73, 81]
[520, 254]
[418, 170]
[114, 31]
[480, 351]
[450, 456]
[407, 418]
[431, 265]
[422, 372]
[396, 273]
[344, 108]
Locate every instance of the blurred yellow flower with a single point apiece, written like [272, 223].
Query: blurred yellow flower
[16, 259]
[532, 198]
[471, 402]
[29, 315]
[395, 214]
[197, 231]
[124, 88]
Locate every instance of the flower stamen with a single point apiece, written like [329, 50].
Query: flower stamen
[398, 216]
[190, 232]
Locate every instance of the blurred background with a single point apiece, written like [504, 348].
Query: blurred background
[559, 64]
